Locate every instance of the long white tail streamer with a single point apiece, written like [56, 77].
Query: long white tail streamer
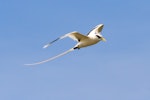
[72, 49]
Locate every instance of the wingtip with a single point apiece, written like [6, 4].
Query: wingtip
[46, 46]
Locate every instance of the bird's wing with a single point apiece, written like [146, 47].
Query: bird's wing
[73, 35]
[47, 45]
[96, 30]
[77, 36]
[72, 49]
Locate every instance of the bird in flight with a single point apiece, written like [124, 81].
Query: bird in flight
[93, 37]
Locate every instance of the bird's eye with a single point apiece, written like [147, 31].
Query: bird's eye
[98, 36]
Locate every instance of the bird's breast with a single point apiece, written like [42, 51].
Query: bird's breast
[87, 42]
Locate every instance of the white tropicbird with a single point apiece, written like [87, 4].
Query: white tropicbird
[93, 37]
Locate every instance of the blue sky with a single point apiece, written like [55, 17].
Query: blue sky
[114, 70]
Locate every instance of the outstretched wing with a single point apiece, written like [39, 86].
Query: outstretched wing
[72, 49]
[77, 36]
[73, 35]
[47, 45]
[96, 30]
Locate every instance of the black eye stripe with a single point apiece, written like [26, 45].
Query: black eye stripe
[98, 36]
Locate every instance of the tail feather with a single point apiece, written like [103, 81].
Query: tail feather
[72, 49]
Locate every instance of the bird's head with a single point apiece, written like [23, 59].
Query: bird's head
[100, 37]
[98, 30]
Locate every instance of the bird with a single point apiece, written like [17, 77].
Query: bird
[93, 37]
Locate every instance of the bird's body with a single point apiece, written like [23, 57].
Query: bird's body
[87, 42]
[91, 38]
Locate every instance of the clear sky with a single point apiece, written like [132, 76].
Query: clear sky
[118, 69]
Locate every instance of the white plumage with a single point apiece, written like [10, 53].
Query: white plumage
[93, 37]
